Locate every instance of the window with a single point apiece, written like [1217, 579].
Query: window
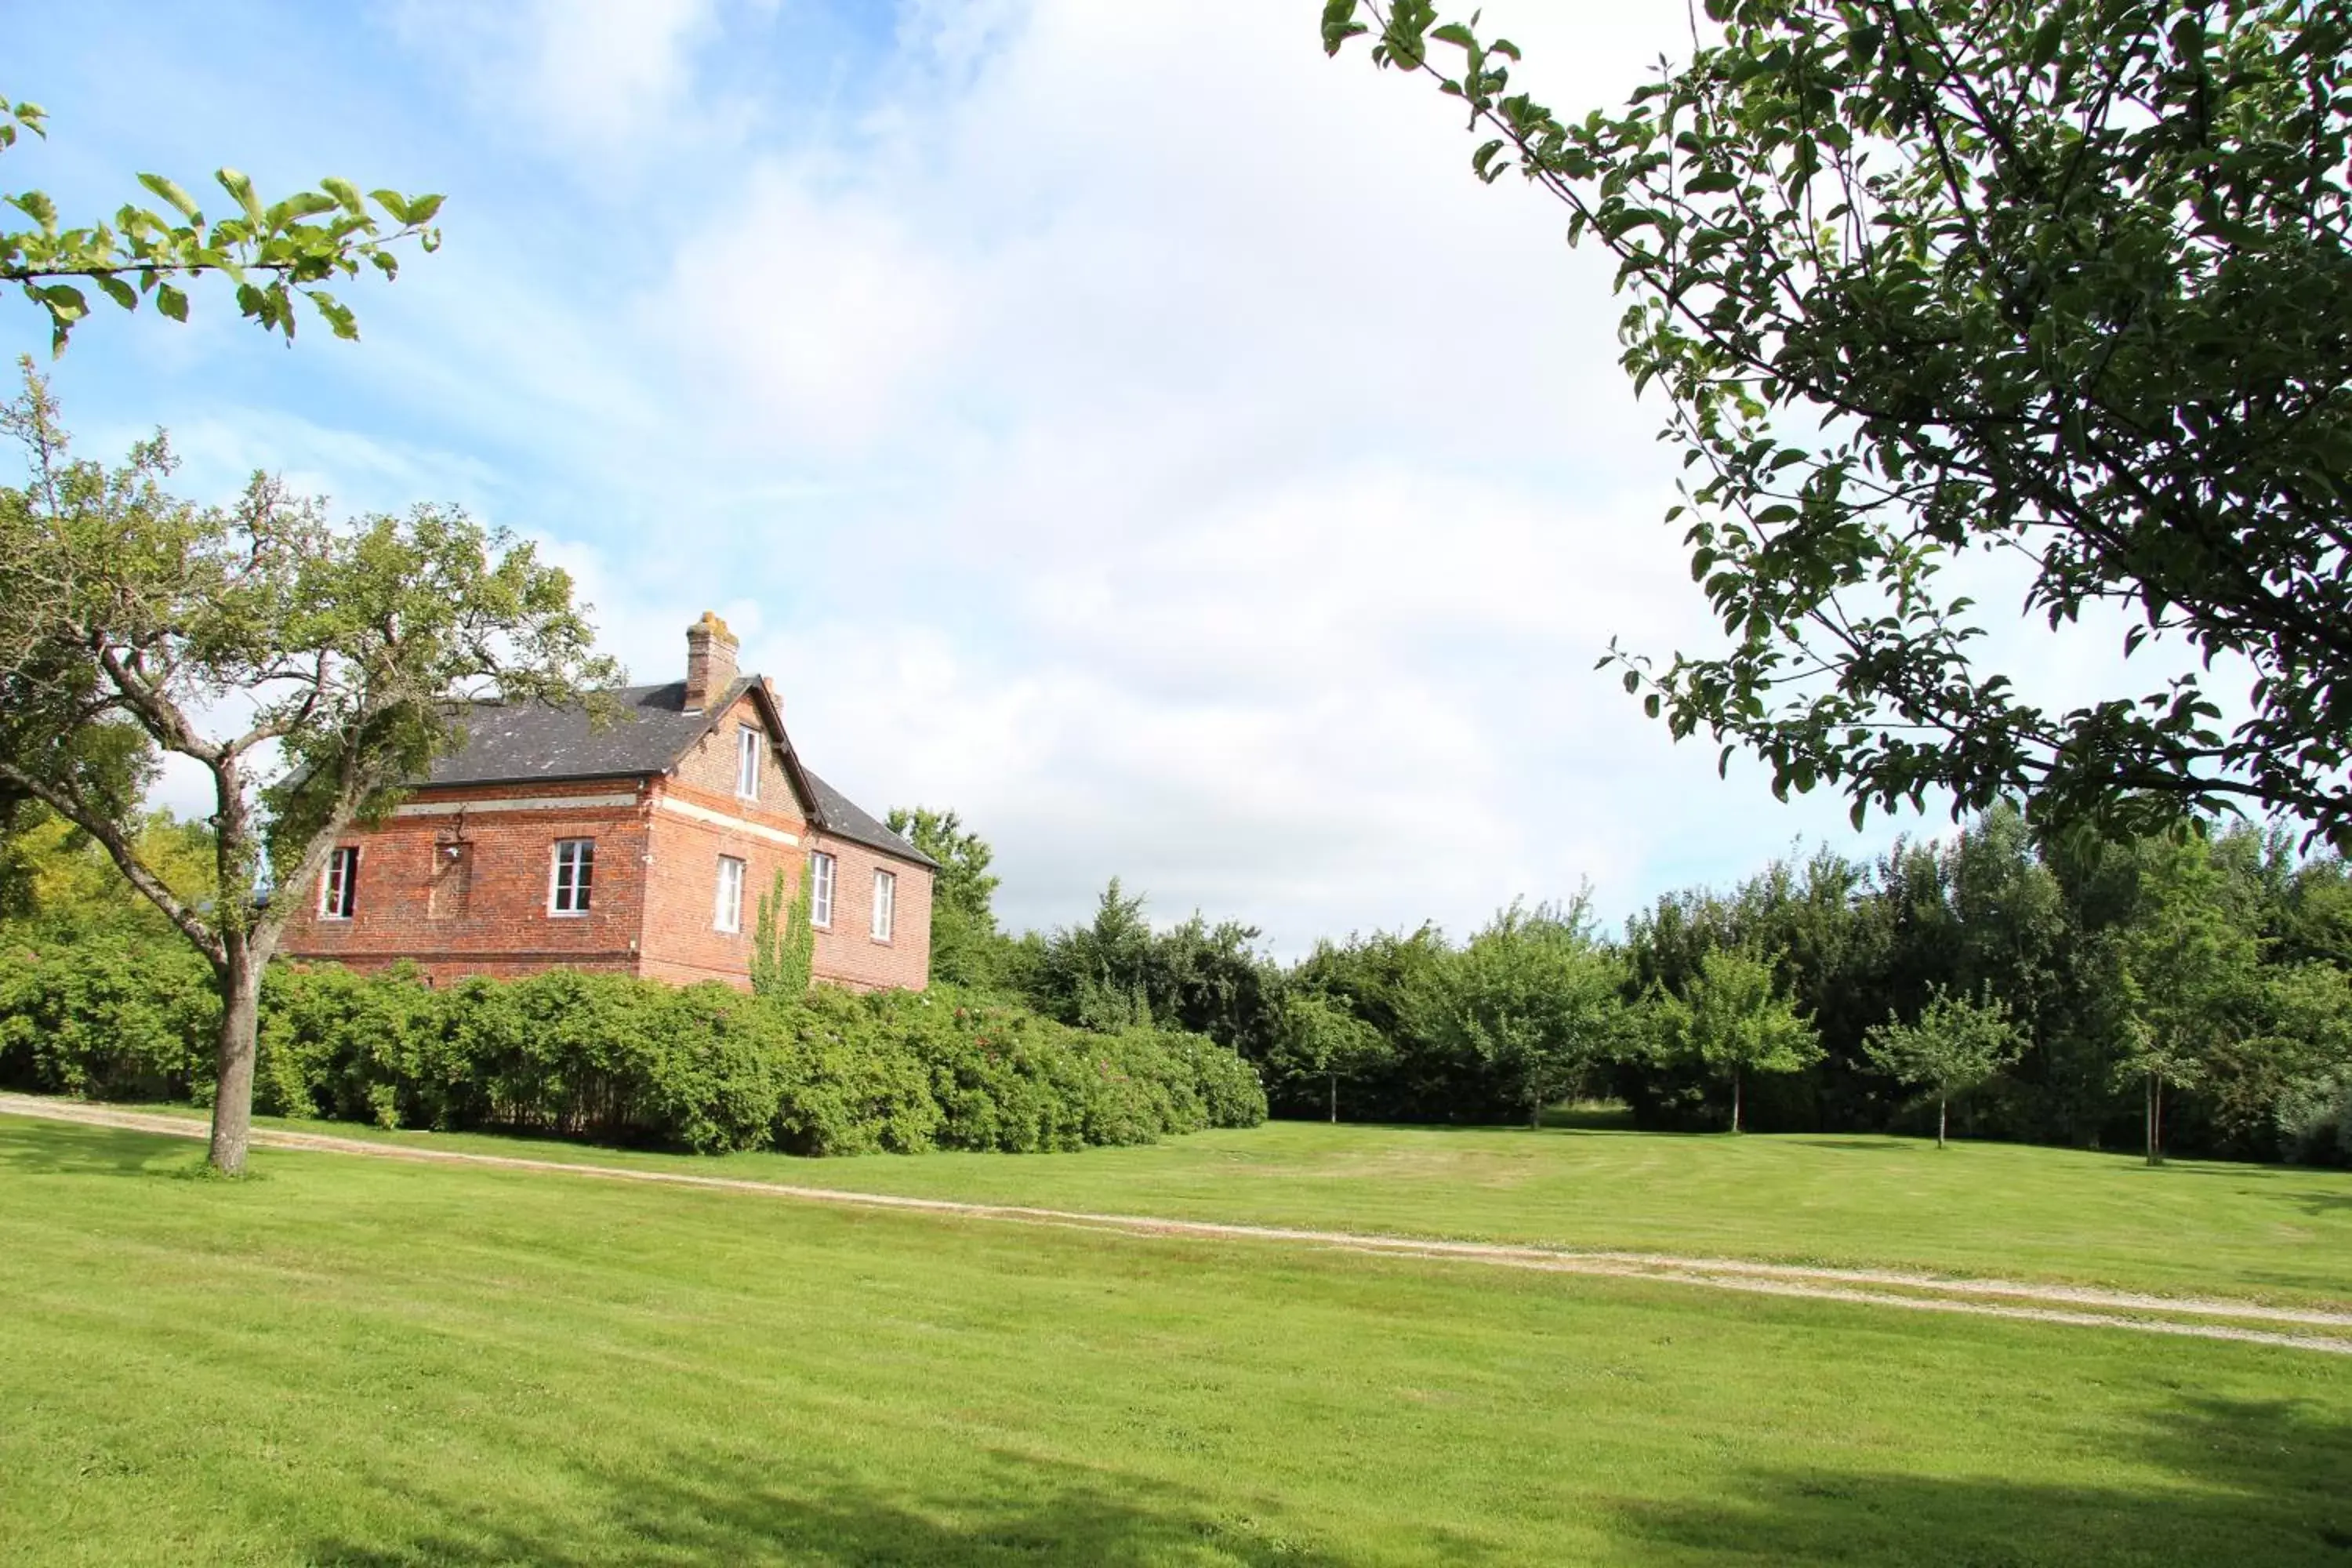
[821, 889]
[339, 889]
[727, 911]
[572, 879]
[886, 893]
[748, 754]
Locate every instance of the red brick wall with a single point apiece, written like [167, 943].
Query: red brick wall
[504, 926]
[682, 941]
[847, 952]
[711, 767]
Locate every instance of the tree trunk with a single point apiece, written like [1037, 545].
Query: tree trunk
[1734, 1100]
[1534, 1115]
[2155, 1119]
[1334, 1100]
[239, 978]
[1941, 1103]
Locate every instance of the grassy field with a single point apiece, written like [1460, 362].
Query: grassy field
[349, 1360]
[2268, 1232]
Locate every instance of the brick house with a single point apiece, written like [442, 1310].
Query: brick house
[641, 848]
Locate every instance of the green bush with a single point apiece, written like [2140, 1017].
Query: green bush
[110, 1020]
[614, 1059]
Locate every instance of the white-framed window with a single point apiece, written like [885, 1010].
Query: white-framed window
[821, 889]
[727, 905]
[572, 876]
[751, 749]
[885, 895]
[339, 886]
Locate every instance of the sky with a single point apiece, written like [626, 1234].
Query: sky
[1117, 424]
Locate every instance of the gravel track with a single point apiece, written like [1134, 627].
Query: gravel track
[2075, 1306]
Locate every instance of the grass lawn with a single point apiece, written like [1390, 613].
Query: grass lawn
[373, 1363]
[2270, 1232]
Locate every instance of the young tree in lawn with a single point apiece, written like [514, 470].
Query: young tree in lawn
[1929, 281]
[2187, 976]
[1732, 1017]
[1955, 1046]
[271, 251]
[342, 651]
[1319, 1037]
[1535, 997]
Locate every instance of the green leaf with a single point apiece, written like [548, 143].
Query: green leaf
[344, 192]
[39, 208]
[1405, 36]
[169, 191]
[338, 315]
[240, 187]
[1339, 24]
[171, 302]
[116, 290]
[2048, 36]
[301, 204]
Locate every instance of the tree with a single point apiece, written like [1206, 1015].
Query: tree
[1954, 1046]
[1731, 1017]
[57, 876]
[1535, 998]
[1320, 1037]
[1116, 973]
[2185, 975]
[783, 942]
[308, 668]
[2275, 1089]
[1098, 975]
[2060, 286]
[966, 946]
[271, 251]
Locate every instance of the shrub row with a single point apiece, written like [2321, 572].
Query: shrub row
[614, 1059]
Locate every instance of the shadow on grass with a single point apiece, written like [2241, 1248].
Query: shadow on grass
[2252, 1482]
[30, 1148]
[2244, 1482]
[696, 1509]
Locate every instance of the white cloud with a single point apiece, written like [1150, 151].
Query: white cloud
[606, 79]
[1123, 425]
[808, 320]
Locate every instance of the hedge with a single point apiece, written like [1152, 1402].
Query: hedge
[614, 1059]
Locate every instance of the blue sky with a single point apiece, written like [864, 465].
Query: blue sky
[1117, 423]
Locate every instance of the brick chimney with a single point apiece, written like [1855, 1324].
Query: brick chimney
[709, 661]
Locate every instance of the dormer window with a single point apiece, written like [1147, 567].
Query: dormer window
[750, 747]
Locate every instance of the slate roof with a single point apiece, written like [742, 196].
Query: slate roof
[513, 743]
[842, 817]
[535, 742]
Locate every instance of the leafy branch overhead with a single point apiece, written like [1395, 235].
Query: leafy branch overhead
[2058, 289]
[271, 252]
